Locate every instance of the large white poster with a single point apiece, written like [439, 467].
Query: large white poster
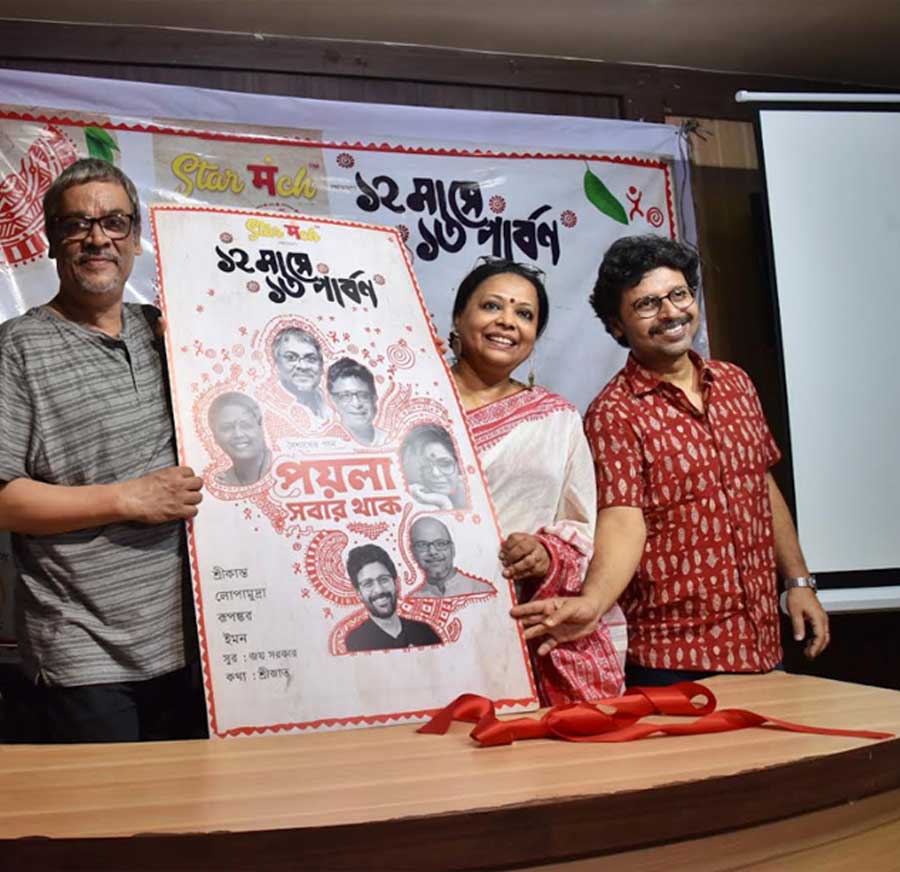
[340, 480]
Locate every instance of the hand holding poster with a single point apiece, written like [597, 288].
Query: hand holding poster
[344, 560]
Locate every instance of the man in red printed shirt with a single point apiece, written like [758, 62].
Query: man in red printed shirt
[692, 530]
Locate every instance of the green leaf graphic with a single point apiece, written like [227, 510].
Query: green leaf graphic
[100, 144]
[600, 196]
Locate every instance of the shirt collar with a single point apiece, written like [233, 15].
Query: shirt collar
[644, 381]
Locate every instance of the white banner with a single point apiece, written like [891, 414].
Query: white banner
[554, 192]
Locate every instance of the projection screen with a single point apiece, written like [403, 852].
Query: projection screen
[833, 186]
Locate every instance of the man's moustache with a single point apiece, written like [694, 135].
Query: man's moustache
[671, 322]
[95, 255]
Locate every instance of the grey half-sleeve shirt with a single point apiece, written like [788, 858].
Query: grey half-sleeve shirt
[77, 407]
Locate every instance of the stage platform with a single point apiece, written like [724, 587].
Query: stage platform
[392, 799]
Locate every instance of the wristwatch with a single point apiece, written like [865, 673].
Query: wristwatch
[806, 581]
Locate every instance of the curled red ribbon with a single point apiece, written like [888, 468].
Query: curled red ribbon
[617, 719]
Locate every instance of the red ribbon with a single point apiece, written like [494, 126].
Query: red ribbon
[617, 719]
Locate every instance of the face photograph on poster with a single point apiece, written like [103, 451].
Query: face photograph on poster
[345, 562]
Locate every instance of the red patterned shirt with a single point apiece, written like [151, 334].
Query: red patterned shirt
[704, 595]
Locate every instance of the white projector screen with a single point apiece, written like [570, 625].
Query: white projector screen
[833, 185]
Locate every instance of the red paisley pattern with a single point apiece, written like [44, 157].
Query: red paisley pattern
[583, 669]
[704, 595]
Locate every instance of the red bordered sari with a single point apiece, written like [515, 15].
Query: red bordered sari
[541, 478]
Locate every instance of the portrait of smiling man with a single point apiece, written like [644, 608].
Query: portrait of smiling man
[434, 551]
[299, 365]
[374, 577]
[351, 387]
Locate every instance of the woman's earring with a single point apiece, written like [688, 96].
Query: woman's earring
[531, 373]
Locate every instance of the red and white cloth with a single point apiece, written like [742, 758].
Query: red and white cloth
[704, 596]
[541, 479]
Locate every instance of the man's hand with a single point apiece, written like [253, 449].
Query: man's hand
[170, 494]
[803, 605]
[524, 556]
[560, 619]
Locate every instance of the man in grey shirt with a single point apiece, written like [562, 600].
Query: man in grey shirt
[89, 484]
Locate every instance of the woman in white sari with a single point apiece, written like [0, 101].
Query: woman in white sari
[539, 470]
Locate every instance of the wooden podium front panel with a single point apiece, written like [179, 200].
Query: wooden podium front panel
[389, 798]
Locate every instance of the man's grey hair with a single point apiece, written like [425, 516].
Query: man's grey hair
[89, 169]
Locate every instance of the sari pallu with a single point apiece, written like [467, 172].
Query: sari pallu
[541, 478]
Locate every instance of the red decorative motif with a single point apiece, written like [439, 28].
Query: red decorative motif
[568, 218]
[21, 195]
[373, 532]
[497, 204]
[345, 160]
[325, 566]
[454, 630]
[400, 355]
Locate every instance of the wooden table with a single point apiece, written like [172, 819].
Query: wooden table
[389, 798]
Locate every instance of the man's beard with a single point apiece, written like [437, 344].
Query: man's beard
[379, 610]
[95, 284]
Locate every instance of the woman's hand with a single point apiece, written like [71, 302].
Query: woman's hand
[524, 556]
[430, 498]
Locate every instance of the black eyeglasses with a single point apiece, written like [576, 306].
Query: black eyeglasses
[117, 225]
[441, 546]
[443, 465]
[680, 297]
[345, 397]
